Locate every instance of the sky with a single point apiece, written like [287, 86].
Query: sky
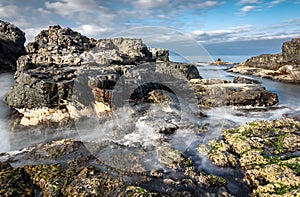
[243, 27]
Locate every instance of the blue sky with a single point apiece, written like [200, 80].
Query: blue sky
[244, 27]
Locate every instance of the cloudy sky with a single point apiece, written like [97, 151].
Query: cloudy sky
[244, 27]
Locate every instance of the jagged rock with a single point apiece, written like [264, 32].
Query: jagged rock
[266, 150]
[118, 50]
[291, 51]
[12, 41]
[239, 79]
[215, 92]
[283, 66]
[67, 72]
[67, 168]
[160, 54]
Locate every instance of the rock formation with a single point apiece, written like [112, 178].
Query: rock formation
[219, 62]
[60, 59]
[239, 79]
[283, 67]
[51, 170]
[12, 41]
[160, 54]
[216, 92]
[266, 150]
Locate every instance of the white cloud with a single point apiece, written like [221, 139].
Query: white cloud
[294, 21]
[222, 35]
[8, 11]
[92, 30]
[248, 2]
[248, 8]
[207, 4]
[43, 12]
[70, 7]
[181, 4]
[275, 2]
[146, 4]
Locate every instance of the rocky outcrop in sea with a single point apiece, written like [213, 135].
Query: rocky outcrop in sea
[284, 66]
[65, 76]
[12, 41]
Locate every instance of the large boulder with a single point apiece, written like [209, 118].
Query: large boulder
[12, 41]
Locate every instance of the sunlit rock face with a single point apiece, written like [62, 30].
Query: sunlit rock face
[284, 66]
[291, 51]
[12, 41]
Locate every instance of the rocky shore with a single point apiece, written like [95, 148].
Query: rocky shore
[268, 152]
[12, 41]
[132, 99]
[284, 66]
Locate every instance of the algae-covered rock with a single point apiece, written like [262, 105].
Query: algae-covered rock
[268, 152]
[15, 181]
[67, 168]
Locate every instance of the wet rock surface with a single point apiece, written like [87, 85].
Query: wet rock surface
[216, 92]
[12, 41]
[268, 152]
[283, 67]
[67, 168]
[239, 79]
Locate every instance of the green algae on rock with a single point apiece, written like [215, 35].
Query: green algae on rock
[268, 152]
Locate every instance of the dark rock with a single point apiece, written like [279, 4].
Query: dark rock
[214, 93]
[219, 62]
[160, 54]
[12, 41]
[239, 79]
[64, 72]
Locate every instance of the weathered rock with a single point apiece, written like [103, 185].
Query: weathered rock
[66, 72]
[67, 168]
[215, 92]
[12, 41]
[160, 54]
[239, 79]
[268, 151]
[291, 51]
[118, 51]
[283, 66]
